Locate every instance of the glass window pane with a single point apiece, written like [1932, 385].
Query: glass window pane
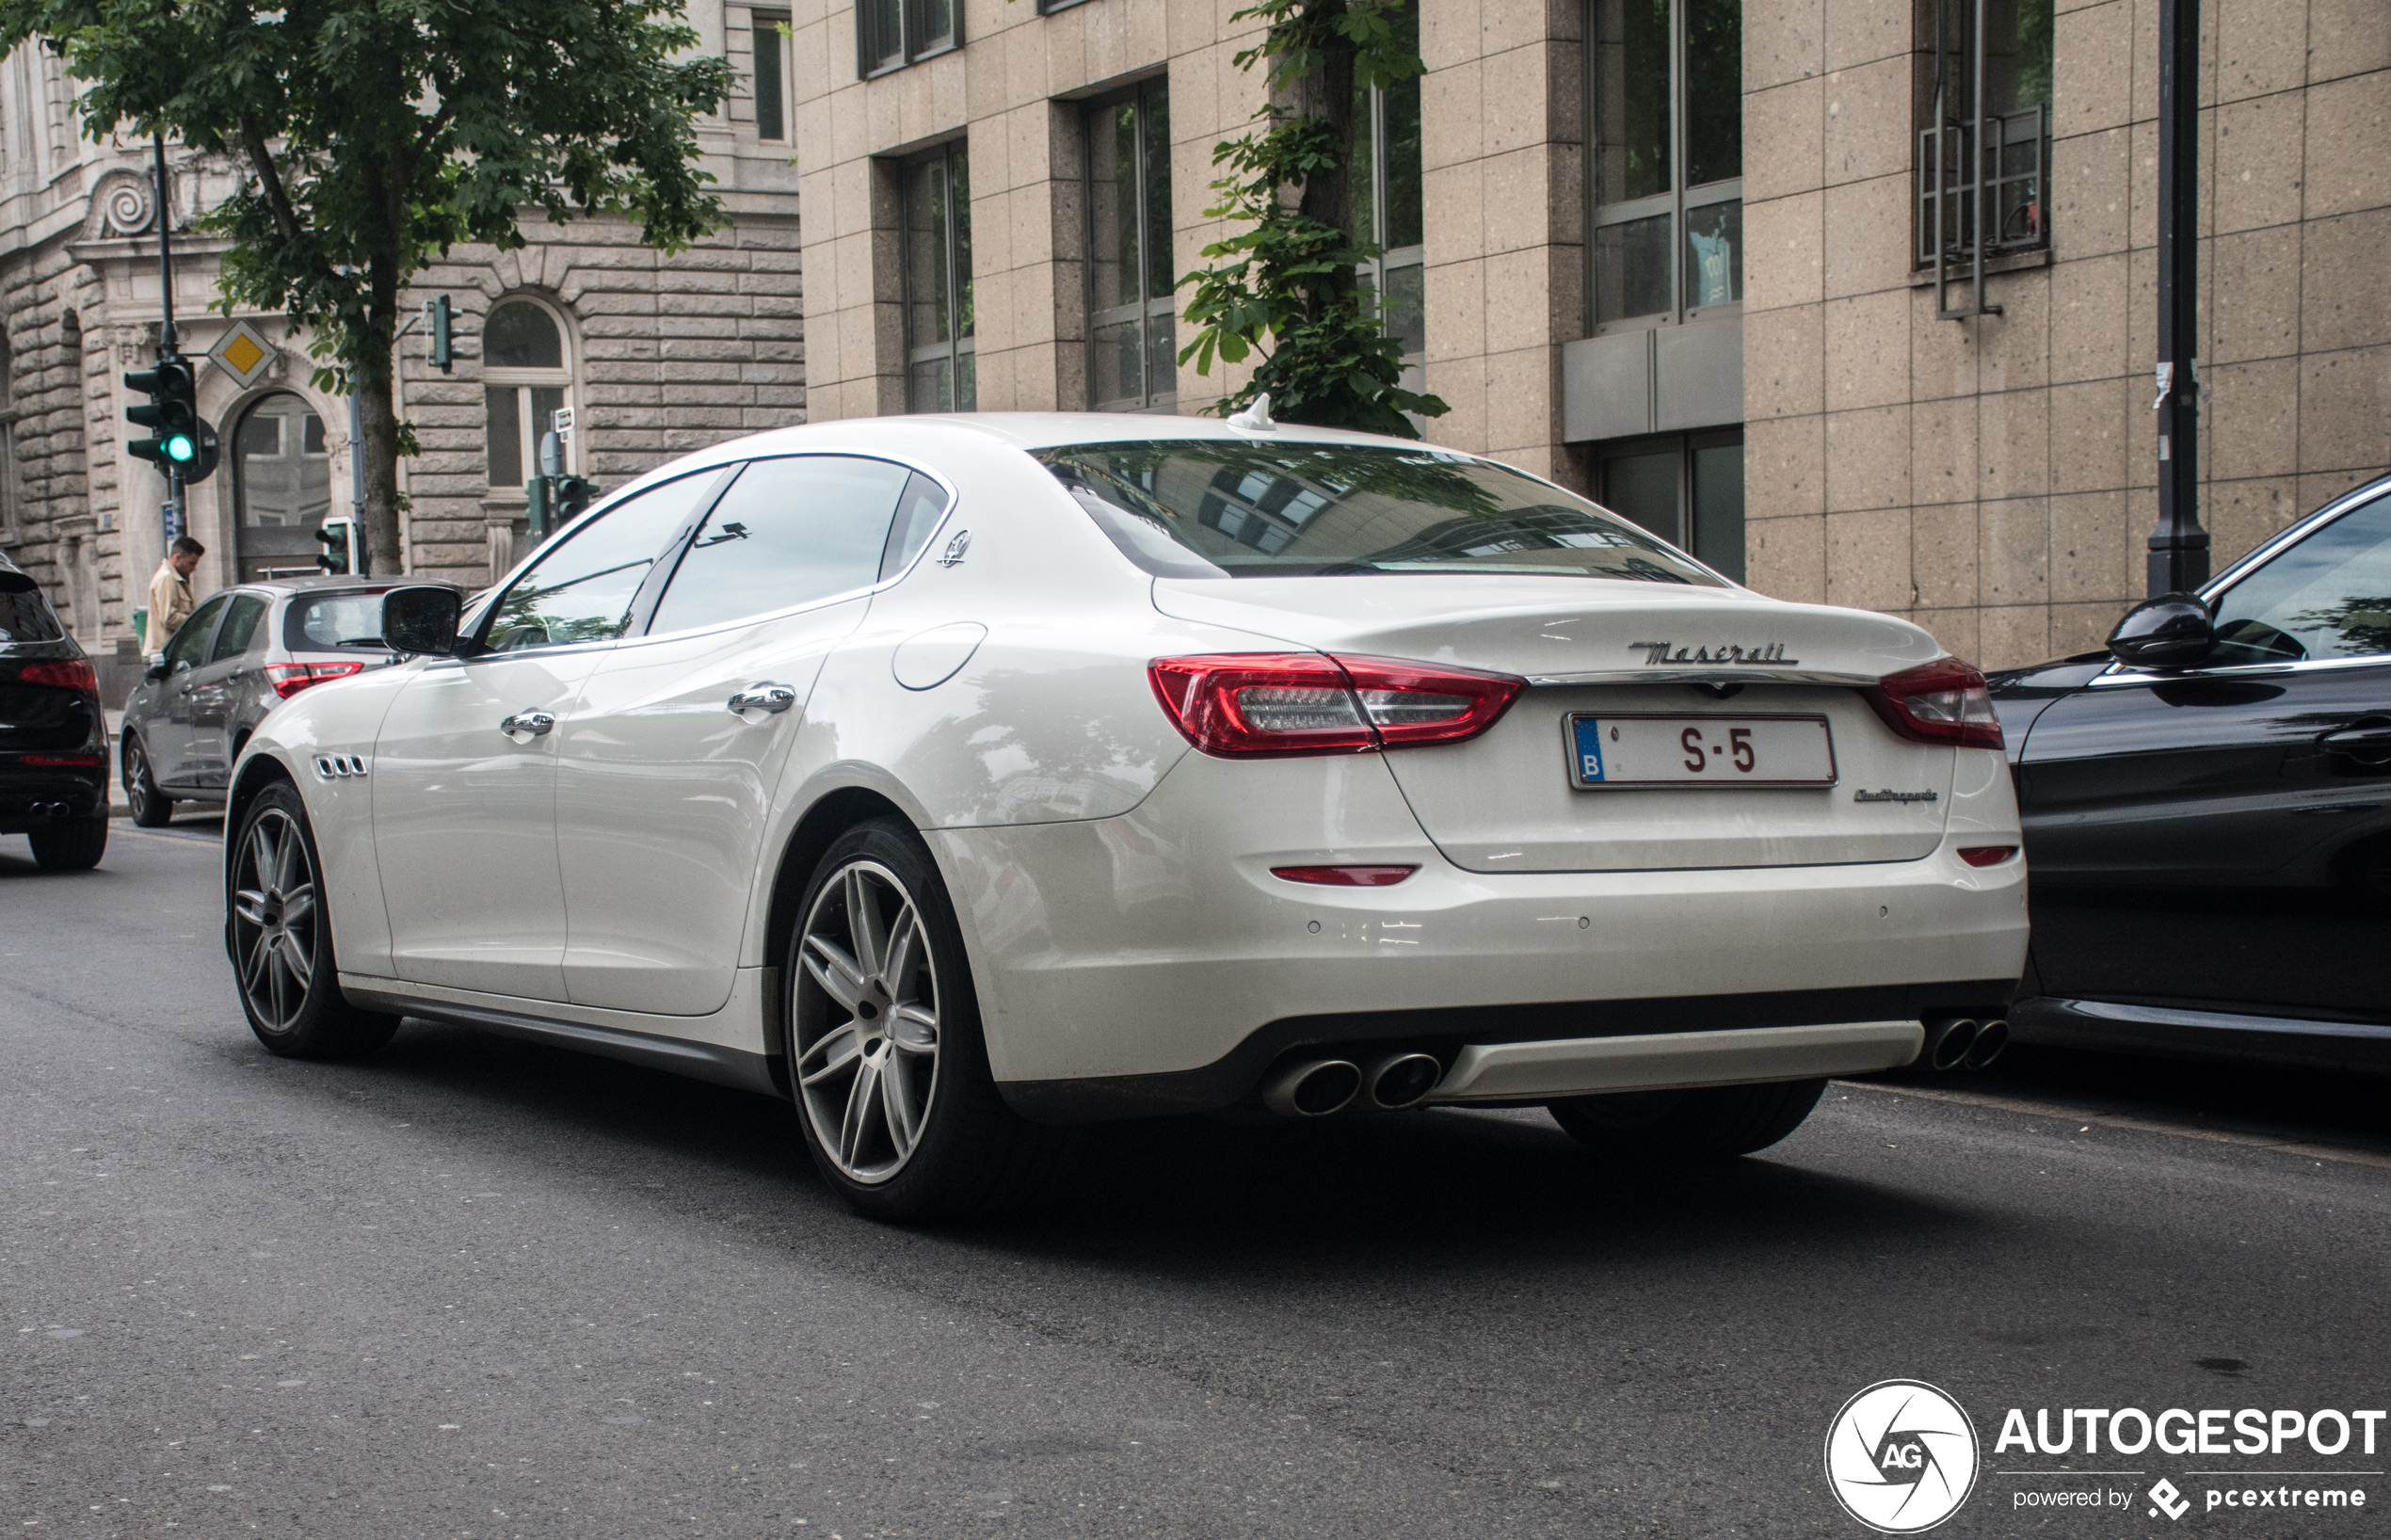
[581, 588]
[879, 34]
[2328, 597]
[1713, 254]
[1118, 359]
[1644, 487]
[926, 292]
[546, 401]
[930, 385]
[521, 336]
[1155, 127]
[967, 380]
[239, 628]
[1631, 99]
[1162, 354]
[1718, 507]
[191, 637]
[1112, 201]
[2017, 55]
[1713, 90]
[333, 620]
[917, 519]
[1406, 307]
[1401, 126]
[280, 470]
[505, 435]
[767, 74]
[1632, 269]
[958, 172]
[789, 531]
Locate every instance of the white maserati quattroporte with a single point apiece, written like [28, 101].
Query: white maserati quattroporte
[960, 778]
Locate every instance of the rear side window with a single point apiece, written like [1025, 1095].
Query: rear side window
[1213, 509]
[788, 532]
[27, 618]
[2328, 597]
[239, 630]
[582, 588]
[328, 621]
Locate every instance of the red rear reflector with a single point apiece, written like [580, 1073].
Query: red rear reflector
[1279, 704]
[289, 679]
[1986, 854]
[1345, 876]
[1940, 702]
[91, 762]
[66, 673]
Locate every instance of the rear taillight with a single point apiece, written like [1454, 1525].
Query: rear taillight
[85, 762]
[66, 673]
[1277, 704]
[1940, 702]
[289, 679]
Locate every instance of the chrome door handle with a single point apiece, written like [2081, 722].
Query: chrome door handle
[529, 725]
[763, 698]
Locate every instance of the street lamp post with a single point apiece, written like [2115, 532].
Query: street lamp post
[2178, 546]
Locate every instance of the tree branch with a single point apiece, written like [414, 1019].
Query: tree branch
[278, 199]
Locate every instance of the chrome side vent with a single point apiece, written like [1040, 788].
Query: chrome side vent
[338, 767]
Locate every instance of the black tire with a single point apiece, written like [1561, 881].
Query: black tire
[151, 808]
[282, 961]
[70, 844]
[1713, 1123]
[969, 1152]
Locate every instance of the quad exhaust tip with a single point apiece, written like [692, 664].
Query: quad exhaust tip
[1312, 1087]
[1963, 1043]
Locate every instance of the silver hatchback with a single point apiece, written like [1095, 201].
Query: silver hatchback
[240, 654]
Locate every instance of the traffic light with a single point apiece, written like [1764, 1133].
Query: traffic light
[342, 554]
[437, 322]
[178, 441]
[572, 494]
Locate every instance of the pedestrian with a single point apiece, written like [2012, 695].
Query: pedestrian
[170, 602]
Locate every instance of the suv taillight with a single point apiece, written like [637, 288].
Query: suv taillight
[1279, 704]
[289, 679]
[1940, 702]
[66, 673]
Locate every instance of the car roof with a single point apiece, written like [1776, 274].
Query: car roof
[334, 584]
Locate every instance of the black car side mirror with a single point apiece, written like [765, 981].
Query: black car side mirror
[155, 672]
[2173, 630]
[422, 621]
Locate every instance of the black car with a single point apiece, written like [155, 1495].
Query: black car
[2208, 811]
[242, 652]
[53, 739]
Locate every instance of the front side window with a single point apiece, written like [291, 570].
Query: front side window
[1133, 329]
[789, 531]
[1215, 508]
[1387, 195]
[2328, 597]
[1984, 130]
[889, 34]
[1668, 159]
[190, 640]
[581, 588]
[526, 380]
[1686, 487]
[940, 373]
[239, 630]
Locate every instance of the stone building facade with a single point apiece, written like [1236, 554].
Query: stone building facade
[1681, 255]
[656, 355]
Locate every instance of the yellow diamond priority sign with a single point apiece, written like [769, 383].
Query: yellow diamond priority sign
[242, 353]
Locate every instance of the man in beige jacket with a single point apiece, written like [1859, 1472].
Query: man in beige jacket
[171, 603]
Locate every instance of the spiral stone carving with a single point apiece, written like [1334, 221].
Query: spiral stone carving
[127, 207]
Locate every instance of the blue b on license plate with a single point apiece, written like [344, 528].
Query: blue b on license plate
[1633, 750]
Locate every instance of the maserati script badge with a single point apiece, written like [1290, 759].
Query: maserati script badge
[1657, 653]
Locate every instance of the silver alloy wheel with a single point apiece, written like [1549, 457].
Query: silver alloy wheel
[274, 919]
[867, 1021]
[137, 776]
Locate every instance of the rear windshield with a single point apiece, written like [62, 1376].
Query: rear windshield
[27, 618]
[322, 622]
[1227, 508]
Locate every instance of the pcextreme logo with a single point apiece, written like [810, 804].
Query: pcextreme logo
[1901, 1456]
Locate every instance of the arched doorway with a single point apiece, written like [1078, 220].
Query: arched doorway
[281, 484]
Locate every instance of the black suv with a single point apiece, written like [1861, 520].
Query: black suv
[54, 739]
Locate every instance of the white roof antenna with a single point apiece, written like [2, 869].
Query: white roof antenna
[1256, 418]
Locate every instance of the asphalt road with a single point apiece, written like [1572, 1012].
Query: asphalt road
[476, 1287]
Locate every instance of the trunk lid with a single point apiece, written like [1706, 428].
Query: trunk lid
[1505, 802]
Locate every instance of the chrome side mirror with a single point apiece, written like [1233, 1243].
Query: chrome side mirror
[2173, 630]
[420, 621]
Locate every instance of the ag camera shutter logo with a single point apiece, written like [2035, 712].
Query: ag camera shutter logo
[1901, 1456]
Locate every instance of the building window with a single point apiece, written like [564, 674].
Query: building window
[940, 373]
[1048, 8]
[1132, 324]
[770, 39]
[281, 488]
[8, 444]
[1387, 197]
[526, 378]
[1686, 487]
[889, 34]
[1984, 138]
[1667, 167]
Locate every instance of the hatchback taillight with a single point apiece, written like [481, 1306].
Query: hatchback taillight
[289, 679]
[1940, 702]
[66, 673]
[1277, 704]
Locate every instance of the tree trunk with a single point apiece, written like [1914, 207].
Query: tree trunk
[377, 441]
[1326, 96]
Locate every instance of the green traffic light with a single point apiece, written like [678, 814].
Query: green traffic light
[182, 449]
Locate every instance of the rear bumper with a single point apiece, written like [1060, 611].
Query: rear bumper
[1666, 1060]
[30, 798]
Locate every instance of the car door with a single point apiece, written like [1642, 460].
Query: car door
[464, 769]
[670, 756]
[165, 732]
[216, 687]
[2220, 834]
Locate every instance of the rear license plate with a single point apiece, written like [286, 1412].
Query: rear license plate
[1612, 751]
